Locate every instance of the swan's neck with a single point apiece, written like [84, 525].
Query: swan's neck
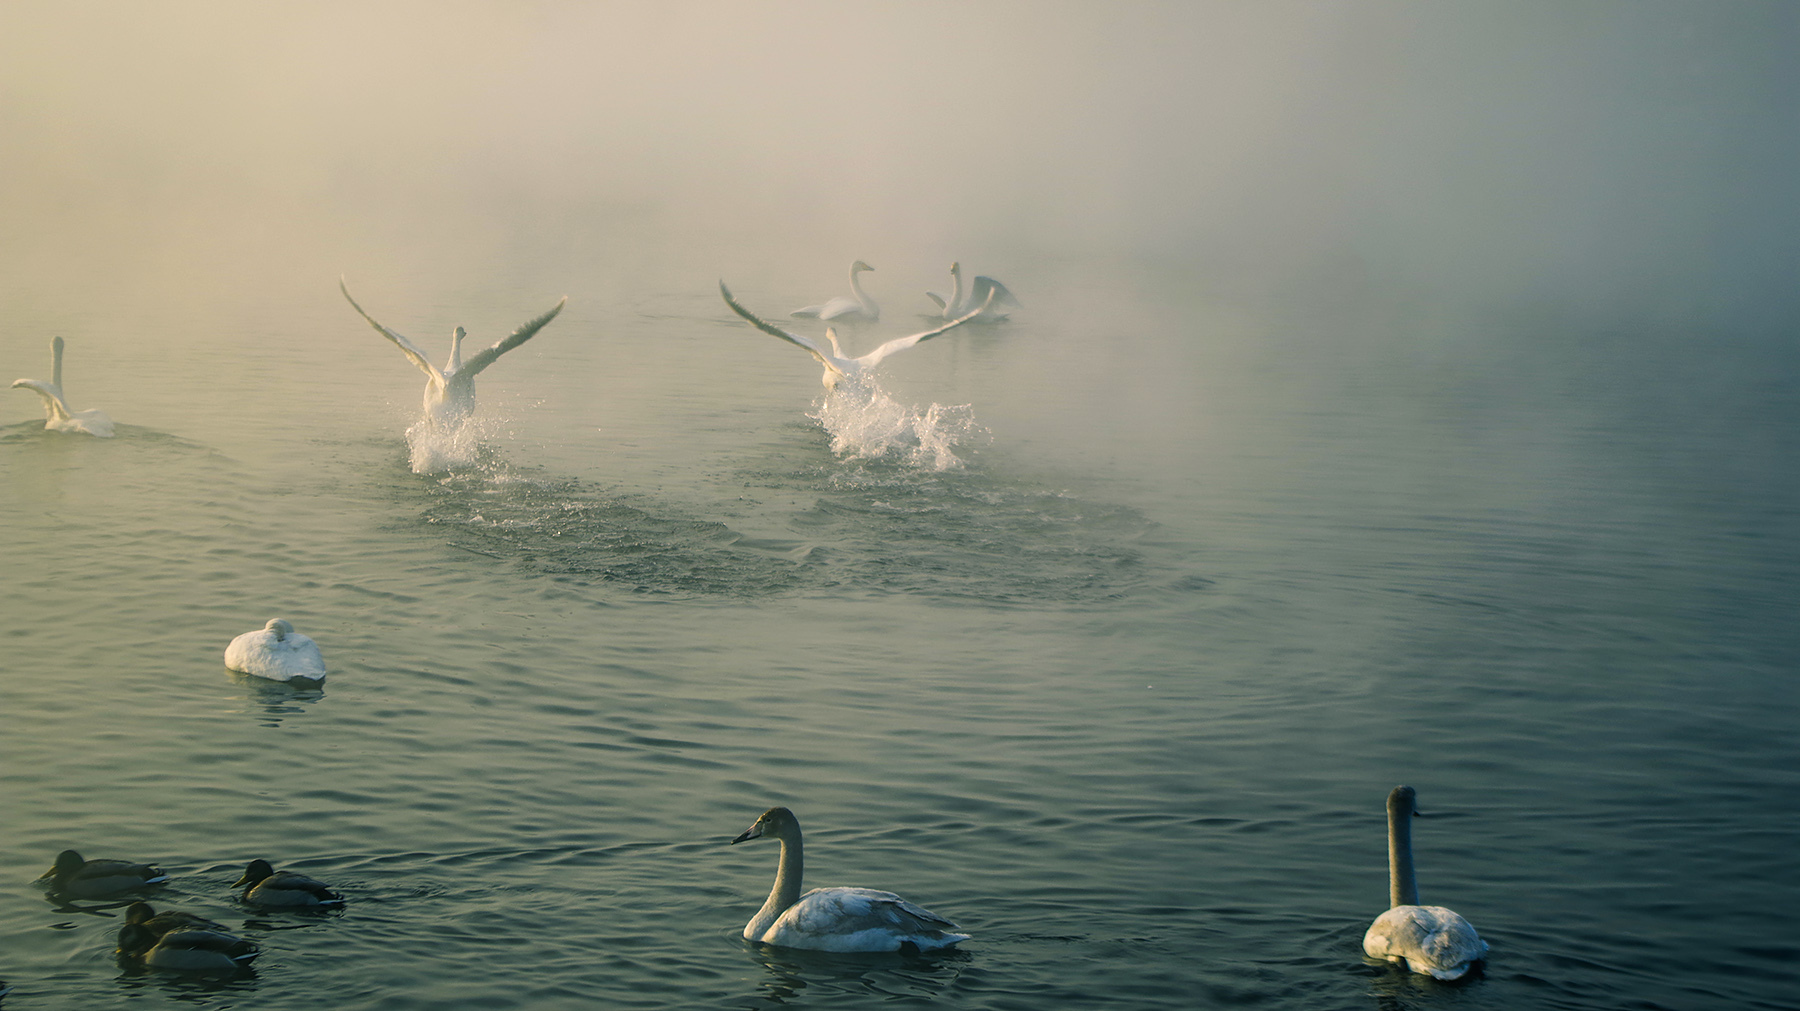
[1403, 884]
[862, 297]
[56, 349]
[456, 340]
[955, 307]
[787, 885]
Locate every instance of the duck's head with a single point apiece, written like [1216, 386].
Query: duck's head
[138, 912]
[67, 862]
[776, 821]
[256, 872]
[280, 627]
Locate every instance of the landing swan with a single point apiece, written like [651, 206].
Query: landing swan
[178, 940]
[861, 307]
[835, 919]
[57, 416]
[276, 652]
[265, 886]
[74, 877]
[838, 367]
[450, 391]
[1427, 939]
[978, 295]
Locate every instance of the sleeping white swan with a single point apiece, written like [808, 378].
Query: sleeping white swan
[57, 416]
[837, 366]
[1428, 939]
[276, 652]
[978, 295]
[861, 307]
[450, 391]
[835, 919]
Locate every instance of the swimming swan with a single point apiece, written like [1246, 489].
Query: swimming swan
[178, 940]
[838, 367]
[57, 416]
[861, 307]
[1428, 939]
[450, 391]
[88, 879]
[979, 293]
[835, 919]
[276, 652]
[265, 886]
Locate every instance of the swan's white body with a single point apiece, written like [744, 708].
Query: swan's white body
[276, 652]
[835, 919]
[985, 295]
[838, 367]
[861, 307]
[1430, 940]
[450, 391]
[57, 416]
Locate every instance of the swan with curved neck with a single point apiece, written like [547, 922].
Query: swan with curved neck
[1430, 940]
[838, 366]
[450, 391]
[57, 416]
[862, 307]
[835, 919]
[278, 653]
[986, 294]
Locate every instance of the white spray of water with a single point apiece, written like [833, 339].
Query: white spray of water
[866, 424]
[438, 446]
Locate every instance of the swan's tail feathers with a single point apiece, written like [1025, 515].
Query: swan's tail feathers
[406, 347]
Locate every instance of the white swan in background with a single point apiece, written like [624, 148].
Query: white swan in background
[835, 919]
[978, 295]
[450, 391]
[276, 652]
[1428, 939]
[861, 307]
[837, 366]
[57, 416]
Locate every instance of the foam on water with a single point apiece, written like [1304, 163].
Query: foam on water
[436, 446]
[865, 423]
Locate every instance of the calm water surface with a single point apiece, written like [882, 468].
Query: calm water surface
[1119, 684]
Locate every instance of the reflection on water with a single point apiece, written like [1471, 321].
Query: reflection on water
[902, 976]
[274, 701]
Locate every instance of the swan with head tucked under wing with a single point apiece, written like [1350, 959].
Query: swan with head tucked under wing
[450, 391]
[835, 919]
[1429, 940]
[57, 416]
[278, 653]
[838, 367]
[862, 307]
[985, 294]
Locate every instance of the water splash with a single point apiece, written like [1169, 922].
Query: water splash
[437, 446]
[866, 424]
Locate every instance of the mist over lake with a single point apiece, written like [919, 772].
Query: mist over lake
[1395, 393]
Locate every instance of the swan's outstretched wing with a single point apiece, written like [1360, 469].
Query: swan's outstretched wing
[874, 357]
[985, 285]
[489, 355]
[406, 347]
[774, 331]
[54, 408]
[936, 298]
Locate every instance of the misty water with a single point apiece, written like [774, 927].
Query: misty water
[1102, 631]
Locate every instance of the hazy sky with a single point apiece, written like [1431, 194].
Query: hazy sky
[1617, 151]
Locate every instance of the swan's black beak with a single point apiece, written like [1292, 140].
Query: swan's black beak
[749, 833]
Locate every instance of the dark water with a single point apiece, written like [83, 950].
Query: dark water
[1121, 693]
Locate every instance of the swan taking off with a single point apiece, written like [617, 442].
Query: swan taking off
[838, 367]
[861, 307]
[1428, 939]
[984, 290]
[835, 919]
[57, 416]
[276, 652]
[450, 391]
